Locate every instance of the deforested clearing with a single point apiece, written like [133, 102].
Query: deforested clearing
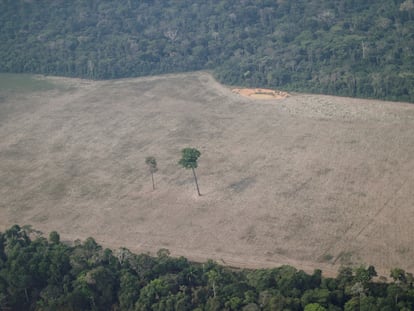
[308, 180]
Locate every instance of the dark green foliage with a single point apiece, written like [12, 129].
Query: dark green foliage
[49, 275]
[352, 48]
[54, 237]
[151, 162]
[189, 157]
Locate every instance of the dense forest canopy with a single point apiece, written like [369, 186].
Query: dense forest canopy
[46, 274]
[345, 47]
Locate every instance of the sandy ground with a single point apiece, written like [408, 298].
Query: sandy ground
[308, 180]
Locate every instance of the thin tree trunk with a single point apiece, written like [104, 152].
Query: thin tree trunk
[153, 183]
[196, 182]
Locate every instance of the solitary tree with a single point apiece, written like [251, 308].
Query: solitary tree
[189, 160]
[152, 166]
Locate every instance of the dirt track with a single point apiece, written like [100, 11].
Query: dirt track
[313, 181]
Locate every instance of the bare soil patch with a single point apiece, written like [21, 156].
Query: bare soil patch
[258, 93]
[312, 181]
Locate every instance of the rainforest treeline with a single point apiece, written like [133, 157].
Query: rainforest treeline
[361, 48]
[41, 273]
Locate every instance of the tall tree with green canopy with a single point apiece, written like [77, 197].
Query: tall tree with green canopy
[189, 160]
[151, 162]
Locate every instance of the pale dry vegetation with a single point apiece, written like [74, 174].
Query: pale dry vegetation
[309, 180]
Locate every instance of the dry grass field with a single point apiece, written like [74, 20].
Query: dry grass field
[309, 180]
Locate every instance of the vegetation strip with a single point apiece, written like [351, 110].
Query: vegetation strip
[46, 274]
[349, 48]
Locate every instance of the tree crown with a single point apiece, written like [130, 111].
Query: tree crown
[189, 157]
[152, 164]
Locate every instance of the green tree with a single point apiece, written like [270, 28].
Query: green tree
[189, 160]
[400, 285]
[151, 162]
[54, 237]
[314, 307]
[128, 292]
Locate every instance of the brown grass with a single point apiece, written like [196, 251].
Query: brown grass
[308, 180]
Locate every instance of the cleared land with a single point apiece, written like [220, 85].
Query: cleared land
[308, 180]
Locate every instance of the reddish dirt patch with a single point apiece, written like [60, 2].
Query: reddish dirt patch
[261, 93]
